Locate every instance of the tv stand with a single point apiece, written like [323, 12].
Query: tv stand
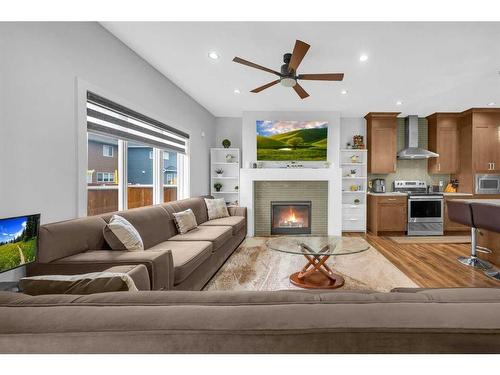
[9, 286]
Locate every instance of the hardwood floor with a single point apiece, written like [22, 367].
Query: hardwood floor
[431, 265]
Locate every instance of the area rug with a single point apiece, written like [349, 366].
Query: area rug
[254, 267]
[431, 239]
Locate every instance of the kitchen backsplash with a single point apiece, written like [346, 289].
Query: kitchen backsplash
[412, 169]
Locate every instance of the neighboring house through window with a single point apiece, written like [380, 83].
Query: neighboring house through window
[107, 151]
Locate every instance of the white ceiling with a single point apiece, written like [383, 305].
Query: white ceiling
[428, 66]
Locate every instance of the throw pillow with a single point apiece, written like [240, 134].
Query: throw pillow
[216, 208]
[185, 221]
[89, 283]
[121, 235]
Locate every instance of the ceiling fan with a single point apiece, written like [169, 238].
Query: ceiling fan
[288, 76]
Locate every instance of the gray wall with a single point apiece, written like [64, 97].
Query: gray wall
[230, 128]
[39, 67]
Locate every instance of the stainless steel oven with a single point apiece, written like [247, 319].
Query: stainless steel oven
[425, 215]
[487, 184]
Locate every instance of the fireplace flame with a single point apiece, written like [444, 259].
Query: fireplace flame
[291, 216]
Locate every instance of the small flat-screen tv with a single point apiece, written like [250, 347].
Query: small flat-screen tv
[18, 241]
[292, 140]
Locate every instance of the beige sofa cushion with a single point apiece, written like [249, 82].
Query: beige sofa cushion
[187, 255]
[89, 283]
[218, 235]
[121, 235]
[236, 222]
[185, 221]
[216, 208]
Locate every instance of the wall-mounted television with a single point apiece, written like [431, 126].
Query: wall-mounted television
[292, 140]
[18, 241]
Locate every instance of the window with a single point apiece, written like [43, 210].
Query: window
[142, 162]
[105, 177]
[102, 175]
[107, 150]
[140, 170]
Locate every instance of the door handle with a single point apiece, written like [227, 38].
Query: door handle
[439, 166]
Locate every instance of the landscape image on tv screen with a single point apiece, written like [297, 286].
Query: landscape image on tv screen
[18, 241]
[292, 140]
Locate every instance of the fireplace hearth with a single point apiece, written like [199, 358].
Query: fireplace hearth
[291, 217]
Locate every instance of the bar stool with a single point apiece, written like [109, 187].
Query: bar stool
[486, 216]
[461, 212]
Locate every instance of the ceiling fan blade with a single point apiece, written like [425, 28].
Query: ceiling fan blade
[256, 66]
[299, 51]
[266, 86]
[322, 77]
[300, 91]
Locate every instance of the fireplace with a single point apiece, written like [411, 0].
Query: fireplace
[291, 217]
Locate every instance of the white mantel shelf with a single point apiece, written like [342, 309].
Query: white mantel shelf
[332, 175]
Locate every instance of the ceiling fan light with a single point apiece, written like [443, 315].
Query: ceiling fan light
[288, 82]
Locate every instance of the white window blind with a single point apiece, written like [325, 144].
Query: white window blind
[109, 118]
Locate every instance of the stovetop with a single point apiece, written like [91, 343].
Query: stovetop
[414, 188]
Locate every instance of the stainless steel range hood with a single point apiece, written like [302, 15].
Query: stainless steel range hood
[411, 150]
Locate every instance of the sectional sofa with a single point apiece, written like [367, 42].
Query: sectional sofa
[404, 321]
[173, 260]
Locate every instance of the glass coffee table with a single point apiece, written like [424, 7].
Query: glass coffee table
[316, 274]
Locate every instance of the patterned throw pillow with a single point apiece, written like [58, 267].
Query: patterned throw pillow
[216, 208]
[121, 235]
[185, 221]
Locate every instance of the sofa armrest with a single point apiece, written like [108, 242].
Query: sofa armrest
[237, 211]
[160, 264]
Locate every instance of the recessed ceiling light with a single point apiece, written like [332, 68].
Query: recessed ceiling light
[343, 92]
[399, 102]
[213, 55]
[236, 91]
[491, 103]
[363, 57]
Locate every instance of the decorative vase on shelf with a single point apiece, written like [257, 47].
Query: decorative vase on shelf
[229, 158]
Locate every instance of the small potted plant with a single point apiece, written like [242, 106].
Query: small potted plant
[219, 171]
[357, 201]
[226, 143]
[217, 186]
[236, 188]
[353, 173]
[229, 158]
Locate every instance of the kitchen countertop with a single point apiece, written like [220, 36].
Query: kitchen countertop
[388, 194]
[391, 193]
[495, 202]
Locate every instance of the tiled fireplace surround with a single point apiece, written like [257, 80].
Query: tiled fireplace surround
[267, 191]
[322, 186]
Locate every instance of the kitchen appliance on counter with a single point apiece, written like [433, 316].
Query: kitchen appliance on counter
[425, 208]
[488, 184]
[377, 185]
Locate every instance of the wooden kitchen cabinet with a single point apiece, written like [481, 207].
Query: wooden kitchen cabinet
[387, 213]
[479, 149]
[381, 141]
[443, 139]
[486, 145]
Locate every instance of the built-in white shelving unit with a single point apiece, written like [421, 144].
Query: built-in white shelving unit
[354, 186]
[228, 160]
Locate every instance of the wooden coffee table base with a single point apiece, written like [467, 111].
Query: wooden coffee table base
[316, 274]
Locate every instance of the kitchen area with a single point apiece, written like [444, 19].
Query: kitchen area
[417, 165]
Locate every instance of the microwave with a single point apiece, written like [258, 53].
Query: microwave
[488, 184]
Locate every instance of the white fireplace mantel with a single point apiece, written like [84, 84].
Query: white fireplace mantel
[332, 175]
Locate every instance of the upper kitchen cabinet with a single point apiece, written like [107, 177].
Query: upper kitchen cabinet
[381, 128]
[486, 140]
[443, 140]
[479, 148]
